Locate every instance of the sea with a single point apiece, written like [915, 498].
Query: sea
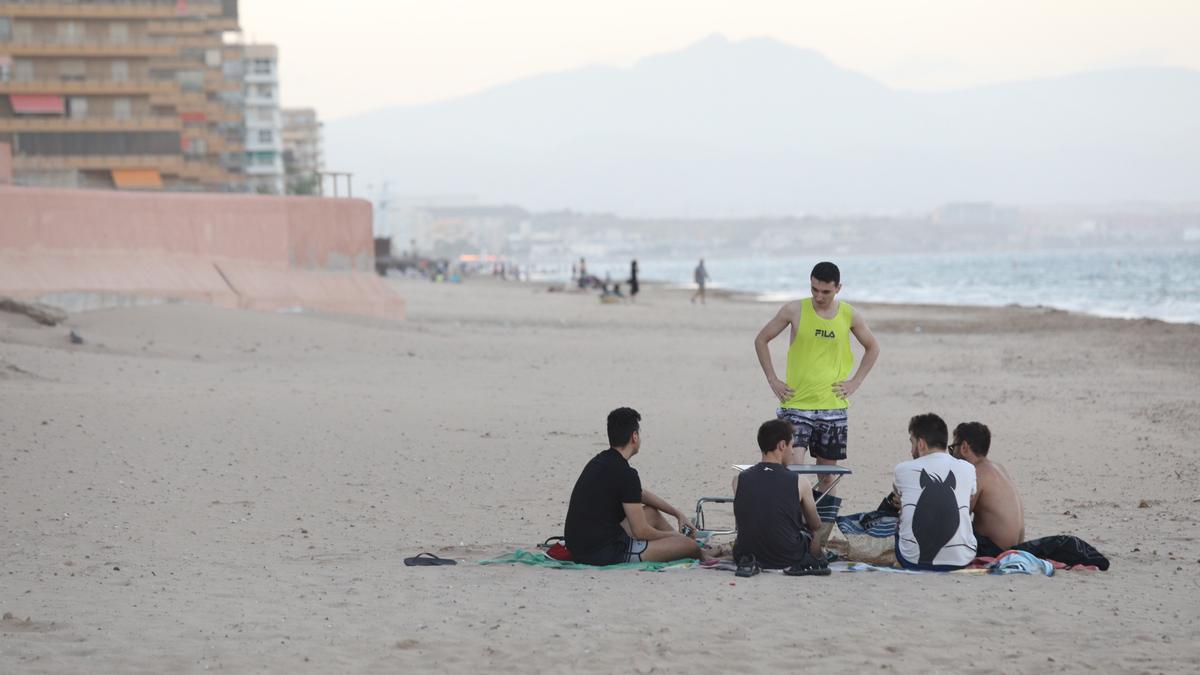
[1160, 283]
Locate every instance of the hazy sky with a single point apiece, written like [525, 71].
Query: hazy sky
[368, 54]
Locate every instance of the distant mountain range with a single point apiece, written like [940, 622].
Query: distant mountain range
[754, 127]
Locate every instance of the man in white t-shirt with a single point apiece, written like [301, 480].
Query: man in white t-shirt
[937, 495]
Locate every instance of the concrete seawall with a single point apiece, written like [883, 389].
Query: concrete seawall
[84, 248]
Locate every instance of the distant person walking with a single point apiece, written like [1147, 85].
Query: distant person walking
[701, 276]
[633, 281]
[583, 273]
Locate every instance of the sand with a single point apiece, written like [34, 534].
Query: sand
[196, 488]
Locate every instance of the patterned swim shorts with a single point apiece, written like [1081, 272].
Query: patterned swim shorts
[823, 432]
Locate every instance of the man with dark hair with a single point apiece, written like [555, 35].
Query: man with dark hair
[999, 522]
[815, 395]
[936, 494]
[776, 518]
[611, 519]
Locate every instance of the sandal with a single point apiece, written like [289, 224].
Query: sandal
[428, 560]
[747, 566]
[809, 566]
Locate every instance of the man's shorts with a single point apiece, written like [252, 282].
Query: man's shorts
[823, 432]
[626, 549]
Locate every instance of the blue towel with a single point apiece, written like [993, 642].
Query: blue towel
[880, 527]
[1020, 562]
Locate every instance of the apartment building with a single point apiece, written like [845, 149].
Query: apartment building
[264, 126]
[131, 94]
[303, 158]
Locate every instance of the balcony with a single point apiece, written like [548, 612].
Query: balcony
[275, 169]
[67, 124]
[88, 49]
[164, 163]
[105, 10]
[256, 100]
[207, 41]
[176, 97]
[215, 80]
[205, 170]
[177, 27]
[89, 87]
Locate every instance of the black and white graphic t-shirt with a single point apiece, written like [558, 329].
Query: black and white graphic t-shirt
[935, 513]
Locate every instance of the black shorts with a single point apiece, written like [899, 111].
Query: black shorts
[626, 549]
[822, 432]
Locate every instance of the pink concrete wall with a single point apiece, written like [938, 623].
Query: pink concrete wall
[313, 244]
[171, 245]
[5, 164]
[237, 227]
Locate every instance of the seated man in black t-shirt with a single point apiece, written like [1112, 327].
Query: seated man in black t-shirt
[774, 509]
[611, 519]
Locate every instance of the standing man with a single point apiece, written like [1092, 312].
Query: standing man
[701, 276]
[815, 396]
[634, 287]
[611, 519]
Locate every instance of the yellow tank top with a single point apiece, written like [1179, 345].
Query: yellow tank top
[819, 356]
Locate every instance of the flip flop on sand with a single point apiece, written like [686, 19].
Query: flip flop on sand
[420, 560]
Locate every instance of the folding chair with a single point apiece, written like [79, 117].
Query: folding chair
[804, 469]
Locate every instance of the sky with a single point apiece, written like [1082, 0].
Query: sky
[370, 54]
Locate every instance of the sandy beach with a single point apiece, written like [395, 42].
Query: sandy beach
[196, 488]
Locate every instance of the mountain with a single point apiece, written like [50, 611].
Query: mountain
[760, 127]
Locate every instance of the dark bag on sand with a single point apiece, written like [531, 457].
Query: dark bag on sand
[1065, 549]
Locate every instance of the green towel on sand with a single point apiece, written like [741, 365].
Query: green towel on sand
[541, 560]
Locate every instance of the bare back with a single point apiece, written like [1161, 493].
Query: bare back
[999, 513]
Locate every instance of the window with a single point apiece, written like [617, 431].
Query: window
[100, 143]
[212, 58]
[70, 31]
[22, 31]
[191, 80]
[122, 108]
[118, 31]
[264, 115]
[264, 90]
[265, 136]
[72, 69]
[5, 29]
[23, 70]
[120, 71]
[196, 147]
[261, 67]
[77, 107]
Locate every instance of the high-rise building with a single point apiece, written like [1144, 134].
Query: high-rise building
[302, 153]
[121, 93]
[264, 137]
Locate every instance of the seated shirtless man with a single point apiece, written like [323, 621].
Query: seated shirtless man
[999, 522]
[611, 519]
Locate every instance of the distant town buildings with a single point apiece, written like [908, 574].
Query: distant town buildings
[137, 94]
[303, 157]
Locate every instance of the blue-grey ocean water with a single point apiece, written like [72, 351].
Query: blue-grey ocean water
[1137, 283]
